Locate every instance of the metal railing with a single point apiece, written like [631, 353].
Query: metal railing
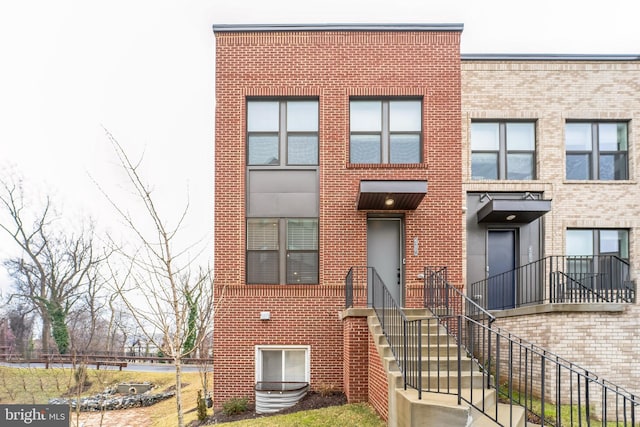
[553, 391]
[459, 348]
[558, 279]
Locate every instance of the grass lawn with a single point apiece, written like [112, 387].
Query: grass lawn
[361, 415]
[37, 386]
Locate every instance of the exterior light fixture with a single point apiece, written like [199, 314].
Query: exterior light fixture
[511, 217]
[389, 202]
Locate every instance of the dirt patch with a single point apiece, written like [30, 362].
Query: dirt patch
[312, 400]
[139, 417]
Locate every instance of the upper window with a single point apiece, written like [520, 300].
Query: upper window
[503, 150]
[282, 250]
[282, 132]
[386, 131]
[597, 151]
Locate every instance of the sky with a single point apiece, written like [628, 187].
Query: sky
[144, 70]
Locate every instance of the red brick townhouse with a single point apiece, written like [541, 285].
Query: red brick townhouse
[336, 146]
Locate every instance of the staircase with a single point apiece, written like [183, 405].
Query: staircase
[441, 378]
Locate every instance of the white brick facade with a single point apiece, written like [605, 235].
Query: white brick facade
[551, 92]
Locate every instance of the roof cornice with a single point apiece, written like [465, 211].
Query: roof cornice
[546, 57]
[244, 28]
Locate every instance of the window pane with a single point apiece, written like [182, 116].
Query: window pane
[272, 365]
[365, 148]
[302, 267]
[302, 234]
[610, 242]
[405, 149]
[578, 166]
[613, 167]
[612, 136]
[302, 116]
[262, 234]
[366, 116]
[484, 165]
[485, 136]
[519, 166]
[262, 267]
[578, 136]
[294, 365]
[302, 149]
[579, 242]
[520, 137]
[405, 116]
[263, 149]
[263, 116]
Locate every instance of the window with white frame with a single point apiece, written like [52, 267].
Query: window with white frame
[596, 151]
[282, 132]
[282, 363]
[385, 130]
[503, 150]
[282, 250]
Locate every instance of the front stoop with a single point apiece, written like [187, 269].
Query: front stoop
[439, 409]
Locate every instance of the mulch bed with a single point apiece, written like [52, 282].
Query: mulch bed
[312, 400]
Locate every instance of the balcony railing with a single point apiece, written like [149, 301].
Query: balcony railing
[553, 391]
[558, 279]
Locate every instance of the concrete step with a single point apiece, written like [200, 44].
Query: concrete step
[443, 381]
[435, 364]
[431, 328]
[442, 350]
[433, 410]
[427, 339]
[508, 415]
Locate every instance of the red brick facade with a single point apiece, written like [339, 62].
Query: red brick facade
[332, 66]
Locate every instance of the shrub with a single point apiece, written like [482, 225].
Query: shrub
[202, 407]
[235, 406]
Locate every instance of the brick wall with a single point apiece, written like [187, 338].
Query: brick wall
[378, 381]
[552, 92]
[356, 359]
[332, 66]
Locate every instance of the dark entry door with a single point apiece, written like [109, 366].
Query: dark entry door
[501, 259]
[384, 253]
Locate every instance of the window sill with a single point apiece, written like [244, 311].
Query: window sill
[599, 182]
[386, 166]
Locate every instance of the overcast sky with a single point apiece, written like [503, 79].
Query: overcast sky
[144, 69]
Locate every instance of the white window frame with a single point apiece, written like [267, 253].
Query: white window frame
[307, 359]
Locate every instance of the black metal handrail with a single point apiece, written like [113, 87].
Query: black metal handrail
[407, 338]
[552, 390]
[558, 279]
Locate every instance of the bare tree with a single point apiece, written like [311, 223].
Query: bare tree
[53, 267]
[162, 284]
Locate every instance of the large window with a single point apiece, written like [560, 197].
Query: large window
[597, 259]
[282, 251]
[503, 150]
[386, 131]
[596, 151]
[282, 364]
[594, 242]
[282, 132]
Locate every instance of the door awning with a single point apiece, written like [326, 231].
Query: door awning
[520, 211]
[391, 195]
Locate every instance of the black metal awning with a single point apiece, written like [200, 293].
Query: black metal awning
[520, 211]
[391, 195]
